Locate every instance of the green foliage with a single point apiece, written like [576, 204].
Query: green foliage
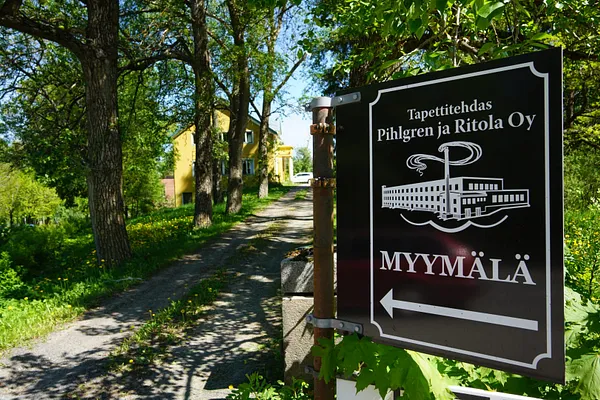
[10, 281]
[581, 178]
[145, 145]
[586, 371]
[75, 219]
[582, 251]
[302, 160]
[22, 197]
[385, 367]
[367, 42]
[258, 388]
[35, 248]
[45, 119]
[582, 337]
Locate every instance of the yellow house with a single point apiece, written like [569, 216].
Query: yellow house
[281, 165]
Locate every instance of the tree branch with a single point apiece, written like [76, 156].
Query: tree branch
[219, 19]
[10, 18]
[289, 74]
[253, 104]
[222, 86]
[216, 39]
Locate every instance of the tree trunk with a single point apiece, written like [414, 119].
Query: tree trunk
[235, 185]
[203, 99]
[105, 156]
[236, 139]
[263, 147]
[217, 190]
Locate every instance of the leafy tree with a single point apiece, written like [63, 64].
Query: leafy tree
[240, 15]
[45, 115]
[302, 160]
[144, 141]
[179, 32]
[89, 30]
[23, 198]
[273, 74]
[47, 119]
[379, 41]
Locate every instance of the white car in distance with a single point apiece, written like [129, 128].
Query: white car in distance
[302, 177]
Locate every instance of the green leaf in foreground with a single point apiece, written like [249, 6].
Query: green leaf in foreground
[586, 371]
[385, 367]
[489, 8]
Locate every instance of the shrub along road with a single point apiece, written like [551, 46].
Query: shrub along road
[237, 335]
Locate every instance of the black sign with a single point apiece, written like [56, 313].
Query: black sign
[450, 221]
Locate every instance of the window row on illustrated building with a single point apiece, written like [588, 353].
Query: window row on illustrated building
[468, 197]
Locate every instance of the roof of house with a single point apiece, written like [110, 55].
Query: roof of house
[256, 121]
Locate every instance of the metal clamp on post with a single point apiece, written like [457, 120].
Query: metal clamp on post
[323, 182]
[322, 128]
[338, 324]
[346, 99]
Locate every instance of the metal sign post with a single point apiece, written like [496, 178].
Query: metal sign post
[323, 184]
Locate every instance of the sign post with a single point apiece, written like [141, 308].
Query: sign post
[450, 221]
[323, 184]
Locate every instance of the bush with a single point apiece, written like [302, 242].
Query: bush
[74, 219]
[258, 388]
[11, 284]
[34, 247]
[582, 251]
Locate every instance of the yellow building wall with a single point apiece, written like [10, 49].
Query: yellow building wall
[280, 166]
[186, 154]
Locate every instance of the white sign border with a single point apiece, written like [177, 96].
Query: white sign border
[548, 353]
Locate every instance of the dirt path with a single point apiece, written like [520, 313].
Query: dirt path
[232, 340]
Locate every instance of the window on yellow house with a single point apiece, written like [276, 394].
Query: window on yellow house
[249, 137]
[248, 166]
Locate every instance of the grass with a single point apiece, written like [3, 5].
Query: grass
[57, 280]
[301, 194]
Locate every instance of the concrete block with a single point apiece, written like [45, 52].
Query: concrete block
[297, 336]
[346, 390]
[297, 275]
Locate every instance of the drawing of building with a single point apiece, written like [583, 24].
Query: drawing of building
[455, 198]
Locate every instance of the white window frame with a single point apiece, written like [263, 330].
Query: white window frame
[251, 141]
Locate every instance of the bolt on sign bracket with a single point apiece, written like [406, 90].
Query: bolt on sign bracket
[338, 324]
[346, 99]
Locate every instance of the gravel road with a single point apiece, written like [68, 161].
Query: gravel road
[232, 340]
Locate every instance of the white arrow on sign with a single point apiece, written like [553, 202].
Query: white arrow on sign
[389, 304]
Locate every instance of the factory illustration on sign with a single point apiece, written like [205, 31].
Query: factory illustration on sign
[458, 198]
